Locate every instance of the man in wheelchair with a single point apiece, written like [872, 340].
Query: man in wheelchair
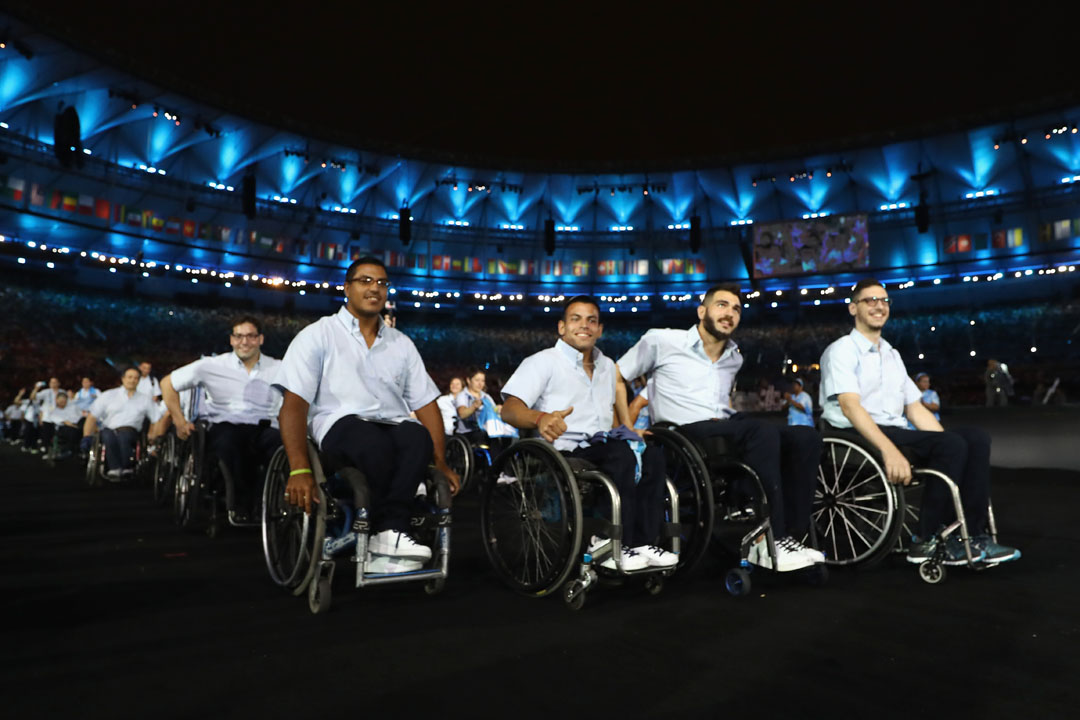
[351, 381]
[241, 408]
[865, 386]
[567, 393]
[692, 376]
[121, 413]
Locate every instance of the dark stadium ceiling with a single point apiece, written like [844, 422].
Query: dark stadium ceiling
[591, 86]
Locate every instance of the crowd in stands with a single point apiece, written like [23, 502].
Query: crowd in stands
[75, 333]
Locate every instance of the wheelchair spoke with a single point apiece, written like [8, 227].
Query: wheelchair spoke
[858, 512]
[852, 488]
[849, 527]
[862, 508]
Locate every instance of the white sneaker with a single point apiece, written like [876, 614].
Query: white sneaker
[815, 555]
[397, 545]
[787, 557]
[505, 479]
[383, 564]
[657, 556]
[114, 474]
[631, 560]
[597, 544]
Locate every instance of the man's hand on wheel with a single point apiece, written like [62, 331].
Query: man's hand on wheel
[301, 491]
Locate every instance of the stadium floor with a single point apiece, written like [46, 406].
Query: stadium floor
[113, 612]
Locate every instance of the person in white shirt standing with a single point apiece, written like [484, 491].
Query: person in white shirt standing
[120, 413]
[241, 407]
[148, 384]
[692, 373]
[568, 393]
[799, 404]
[865, 386]
[351, 381]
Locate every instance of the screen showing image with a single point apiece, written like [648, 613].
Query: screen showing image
[794, 247]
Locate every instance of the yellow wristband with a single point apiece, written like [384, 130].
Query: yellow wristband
[301, 471]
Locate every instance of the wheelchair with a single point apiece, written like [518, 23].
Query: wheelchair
[859, 518]
[203, 488]
[471, 457]
[723, 506]
[532, 520]
[168, 462]
[300, 549]
[95, 460]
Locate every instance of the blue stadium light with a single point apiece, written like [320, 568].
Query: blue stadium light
[458, 223]
[621, 228]
[512, 226]
[567, 228]
[745, 221]
[893, 206]
[1070, 179]
[87, 151]
[679, 226]
[31, 243]
[22, 261]
[814, 215]
[4, 125]
[989, 192]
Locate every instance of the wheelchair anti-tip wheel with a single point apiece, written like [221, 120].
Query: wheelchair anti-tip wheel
[737, 582]
[530, 518]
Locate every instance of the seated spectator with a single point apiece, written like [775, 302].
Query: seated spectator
[446, 405]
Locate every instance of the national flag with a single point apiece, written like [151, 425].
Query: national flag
[102, 208]
[189, 228]
[998, 240]
[156, 223]
[1015, 237]
[417, 260]
[963, 243]
[86, 204]
[393, 258]
[492, 266]
[279, 247]
[440, 262]
[1046, 233]
[637, 267]
[695, 266]
[300, 247]
[15, 188]
[172, 226]
[457, 265]
[950, 245]
[1062, 229]
[148, 220]
[527, 267]
[605, 267]
[472, 265]
[37, 194]
[266, 242]
[70, 202]
[581, 268]
[129, 216]
[552, 267]
[225, 234]
[980, 241]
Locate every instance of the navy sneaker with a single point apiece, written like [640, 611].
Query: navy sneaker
[992, 552]
[923, 550]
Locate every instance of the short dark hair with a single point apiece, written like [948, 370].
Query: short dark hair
[473, 371]
[725, 287]
[124, 369]
[587, 299]
[61, 392]
[249, 319]
[863, 284]
[366, 260]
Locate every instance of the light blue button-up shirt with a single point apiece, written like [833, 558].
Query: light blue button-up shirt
[555, 379]
[685, 386]
[331, 367]
[115, 408]
[233, 394]
[876, 373]
[795, 416]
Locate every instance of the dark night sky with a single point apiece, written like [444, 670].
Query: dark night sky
[634, 87]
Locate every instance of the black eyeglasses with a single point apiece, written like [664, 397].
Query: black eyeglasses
[365, 280]
[871, 301]
[245, 336]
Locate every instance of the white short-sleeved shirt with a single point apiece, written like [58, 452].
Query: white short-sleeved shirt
[13, 412]
[876, 373]
[448, 412]
[555, 379]
[330, 366]
[46, 398]
[149, 385]
[685, 386]
[114, 408]
[466, 399]
[233, 395]
[58, 416]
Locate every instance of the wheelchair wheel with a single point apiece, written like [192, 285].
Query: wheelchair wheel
[187, 493]
[95, 461]
[292, 539]
[165, 467]
[459, 456]
[857, 514]
[687, 472]
[530, 518]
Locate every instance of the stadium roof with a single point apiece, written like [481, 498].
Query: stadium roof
[585, 87]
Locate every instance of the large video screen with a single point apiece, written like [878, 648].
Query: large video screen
[795, 247]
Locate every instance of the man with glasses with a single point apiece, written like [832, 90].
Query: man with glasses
[865, 386]
[241, 407]
[351, 382]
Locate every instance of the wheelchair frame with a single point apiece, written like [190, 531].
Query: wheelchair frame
[95, 460]
[334, 527]
[511, 473]
[195, 486]
[898, 511]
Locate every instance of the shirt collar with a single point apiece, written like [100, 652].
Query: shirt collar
[693, 339]
[575, 356]
[864, 344]
[352, 324]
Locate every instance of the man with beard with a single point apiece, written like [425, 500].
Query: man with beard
[567, 393]
[865, 386]
[692, 373]
[241, 407]
[351, 381]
